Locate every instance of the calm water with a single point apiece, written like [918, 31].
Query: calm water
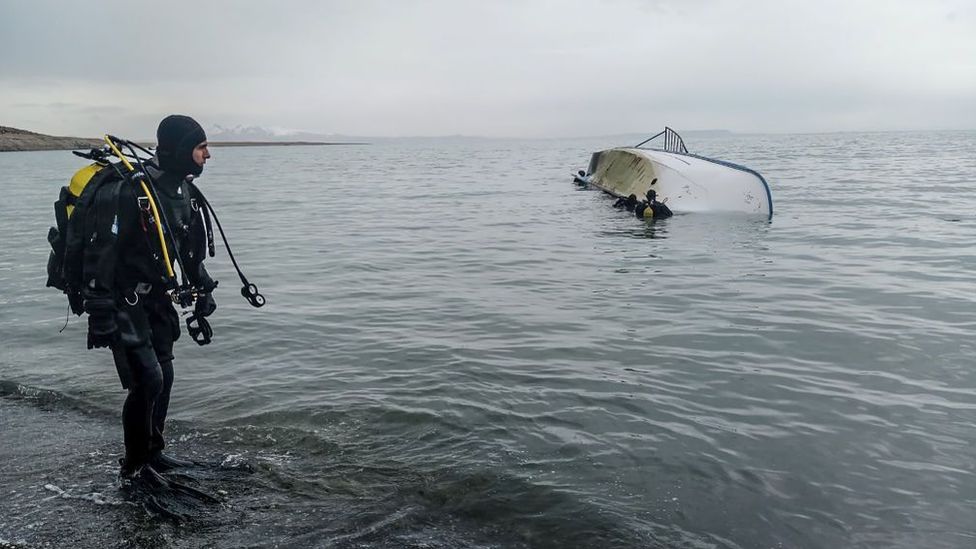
[461, 349]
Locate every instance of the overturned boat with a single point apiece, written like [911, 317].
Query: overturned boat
[685, 182]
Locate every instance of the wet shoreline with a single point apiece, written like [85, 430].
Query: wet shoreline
[60, 486]
[60, 489]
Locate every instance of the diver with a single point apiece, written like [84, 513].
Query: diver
[660, 209]
[651, 208]
[125, 291]
[580, 178]
[630, 202]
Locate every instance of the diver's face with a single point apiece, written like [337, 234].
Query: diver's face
[201, 153]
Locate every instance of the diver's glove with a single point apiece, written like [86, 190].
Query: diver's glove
[205, 305]
[101, 330]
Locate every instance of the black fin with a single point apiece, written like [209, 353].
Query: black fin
[167, 497]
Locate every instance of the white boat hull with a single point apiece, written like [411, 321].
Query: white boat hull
[685, 182]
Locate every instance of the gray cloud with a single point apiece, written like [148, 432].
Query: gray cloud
[503, 68]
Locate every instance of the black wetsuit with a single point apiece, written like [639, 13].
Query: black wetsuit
[660, 209]
[125, 285]
[629, 202]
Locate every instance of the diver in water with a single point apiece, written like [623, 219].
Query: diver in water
[580, 178]
[652, 208]
[660, 209]
[125, 292]
[630, 202]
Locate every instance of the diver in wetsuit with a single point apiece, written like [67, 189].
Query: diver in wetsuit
[630, 202]
[125, 292]
[652, 208]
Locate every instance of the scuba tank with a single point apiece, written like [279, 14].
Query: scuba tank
[73, 199]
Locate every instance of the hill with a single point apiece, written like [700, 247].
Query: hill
[13, 139]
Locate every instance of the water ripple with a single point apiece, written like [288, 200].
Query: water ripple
[458, 325]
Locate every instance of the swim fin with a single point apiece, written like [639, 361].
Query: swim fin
[231, 467]
[166, 497]
[162, 463]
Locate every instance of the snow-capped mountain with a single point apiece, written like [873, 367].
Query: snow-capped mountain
[247, 133]
[217, 132]
[241, 133]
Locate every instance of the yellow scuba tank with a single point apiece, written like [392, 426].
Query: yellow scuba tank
[648, 212]
[78, 182]
[643, 210]
[59, 273]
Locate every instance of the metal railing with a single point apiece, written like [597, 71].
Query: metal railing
[672, 141]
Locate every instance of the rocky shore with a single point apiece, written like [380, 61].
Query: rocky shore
[13, 139]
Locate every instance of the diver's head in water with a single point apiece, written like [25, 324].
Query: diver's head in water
[581, 173]
[181, 145]
[631, 202]
[651, 196]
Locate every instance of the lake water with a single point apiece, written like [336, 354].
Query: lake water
[463, 349]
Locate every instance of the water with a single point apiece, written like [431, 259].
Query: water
[461, 349]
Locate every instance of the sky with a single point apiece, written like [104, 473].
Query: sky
[494, 68]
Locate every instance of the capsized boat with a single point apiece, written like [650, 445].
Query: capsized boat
[685, 182]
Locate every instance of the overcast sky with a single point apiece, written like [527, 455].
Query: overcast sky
[505, 68]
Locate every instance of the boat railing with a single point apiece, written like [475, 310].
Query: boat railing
[672, 141]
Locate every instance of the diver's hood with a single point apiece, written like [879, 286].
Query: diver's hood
[176, 137]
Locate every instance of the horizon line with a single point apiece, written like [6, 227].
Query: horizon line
[540, 138]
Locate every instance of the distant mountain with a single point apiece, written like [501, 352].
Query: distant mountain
[242, 133]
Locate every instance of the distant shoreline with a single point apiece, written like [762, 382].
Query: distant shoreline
[17, 140]
[13, 139]
[279, 143]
